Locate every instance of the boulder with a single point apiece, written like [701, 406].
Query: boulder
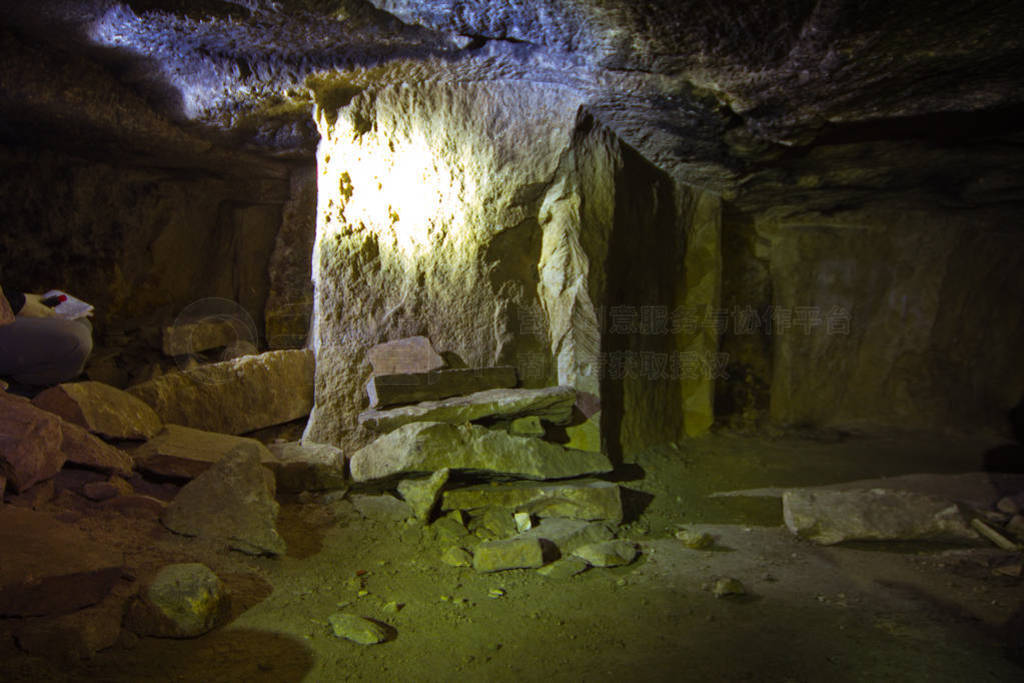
[829, 516]
[49, 567]
[235, 396]
[182, 601]
[582, 499]
[30, 443]
[82, 448]
[403, 356]
[510, 553]
[607, 553]
[392, 390]
[422, 494]
[308, 466]
[358, 629]
[233, 502]
[553, 404]
[424, 447]
[185, 453]
[102, 409]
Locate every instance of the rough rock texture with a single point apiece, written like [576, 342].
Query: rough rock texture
[308, 467]
[6, 315]
[185, 453]
[232, 502]
[829, 517]
[553, 404]
[422, 495]
[607, 553]
[235, 396]
[391, 390]
[582, 499]
[49, 567]
[82, 448]
[102, 409]
[429, 446]
[30, 443]
[568, 535]
[70, 638]
[181, 601]
[511, 553]
[403, 356]
[187, 338]
[358, 629]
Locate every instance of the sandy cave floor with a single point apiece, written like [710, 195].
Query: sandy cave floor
[864, 613]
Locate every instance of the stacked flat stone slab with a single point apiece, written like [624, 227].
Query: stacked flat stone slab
[425, 447]
[553, 404]
[185, 453]
[236, 396]
[102, 409]
[402, 356]
[189, 338]
[580, 499]
[392, 390]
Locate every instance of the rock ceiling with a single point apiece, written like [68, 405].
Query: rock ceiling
[721, 95]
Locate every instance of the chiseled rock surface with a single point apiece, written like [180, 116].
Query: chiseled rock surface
[182, 601]
[422, 494]
[827, 517]
[233, 502]
[423, 447]
[82, 448]
[392, 390]
[185, 453]
[30, 443]
[102, 409]
[553, 404]
[235, 396]
[49, 567]
[582, 499]
[511, 553]
[409, 355]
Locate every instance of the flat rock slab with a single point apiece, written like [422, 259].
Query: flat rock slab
[190, 338]
[393, 390]
[511, 553]
[827, 517]
[425, 447]
[564, 569]
[30, 443]
[182, 601]
[82, 448]
[185, 453]
[358, 629]
[580, 499]
[236, 396]
[50, 568]
[569, 535]
[553, 404]
[102, 409]
[403, 356]
[233, 502]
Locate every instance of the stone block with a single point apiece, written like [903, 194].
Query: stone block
[607, 553]
[828, 516]
[236, 396]
[49, 567]
[102, 409]
[422, 494]
[425, 447]
[568, 535]
[553, 404]
[583, 499]
[185, 453]
[82, 448]
[391, 390]
[203, 335]
[30, 443]
[404, 356]
[181, 601]
[511, 553]
[308, 467]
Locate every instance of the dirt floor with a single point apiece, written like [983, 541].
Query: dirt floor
[864, 613]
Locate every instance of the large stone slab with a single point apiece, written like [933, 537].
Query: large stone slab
[402, 356]
[424, 447]
[50, 568]
[553, 404]
[392, 390]
[828, 517]
[30, 443]
[235, 396]
[185, 453]
[233, 502]
[102, 409]
[82, 448]
[581, 499]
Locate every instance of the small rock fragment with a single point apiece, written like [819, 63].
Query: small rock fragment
[608, 553]
[565, 568]
[526, 426]
[1008, 505]
[357, 629]
[457, 557]
[523, 521]
[727, 586]
[422, 494]
[1016, 526]
[697, 540]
